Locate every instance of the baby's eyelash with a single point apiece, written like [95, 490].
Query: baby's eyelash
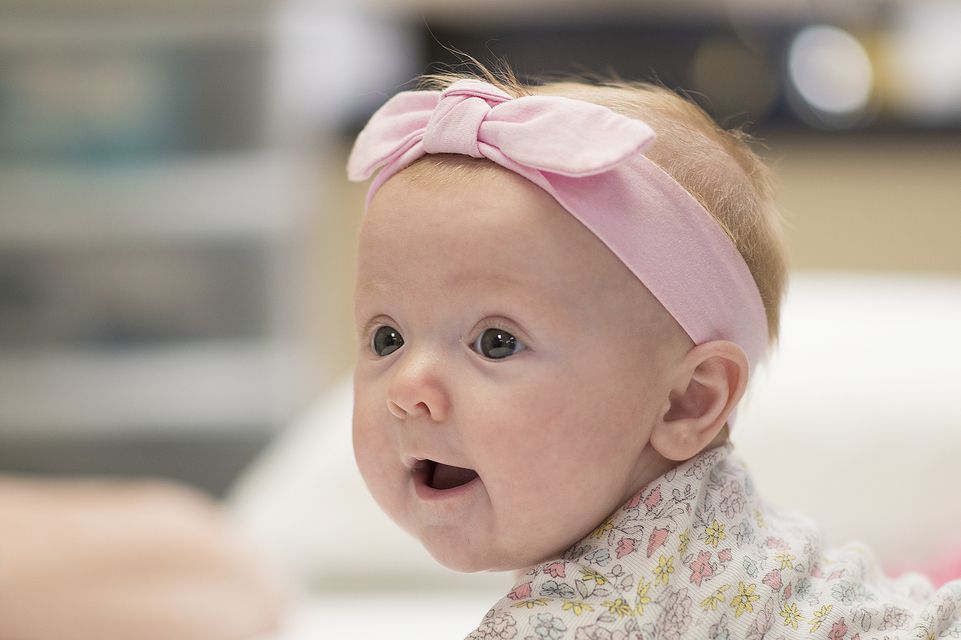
[498, 323]
[488, 323]
[372, 324]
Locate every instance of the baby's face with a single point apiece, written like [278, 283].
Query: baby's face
[509, 373]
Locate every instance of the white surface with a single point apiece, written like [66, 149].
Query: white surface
[855, 421]
[257, 196]
[210, 385]
[398, 616]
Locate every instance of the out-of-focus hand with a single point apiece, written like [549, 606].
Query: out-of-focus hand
[113, 560]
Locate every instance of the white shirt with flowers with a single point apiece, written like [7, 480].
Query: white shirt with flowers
[697, 554]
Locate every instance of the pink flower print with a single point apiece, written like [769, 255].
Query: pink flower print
[894, 618]
[520, 592]
[732, 499]
[838, 631]
[816, 572]
[499, 626]
[597, 632]
[724, 555]
[762, 622]
[836, 574]
[556, 570]
[658, 536]
[777, 543]
[773, 579]
[676, 616]
[592, 632]
[633, 502]
[701, 568]
[788, 590]
[625, 547]
[653, 499]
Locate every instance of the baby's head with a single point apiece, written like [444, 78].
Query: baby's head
[516, 381]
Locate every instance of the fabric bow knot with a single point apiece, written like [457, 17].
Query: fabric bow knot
[587, 157]
[548, 133]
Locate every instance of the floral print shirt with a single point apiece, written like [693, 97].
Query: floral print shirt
[697, 554]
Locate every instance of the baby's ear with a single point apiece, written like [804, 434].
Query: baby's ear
[710, 381]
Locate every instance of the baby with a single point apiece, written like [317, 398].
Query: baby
[558, 314]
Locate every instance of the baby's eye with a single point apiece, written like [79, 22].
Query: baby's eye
[386, 340]
[497, 344]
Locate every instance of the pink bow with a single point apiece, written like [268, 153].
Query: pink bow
[587, 157]
[548, 133]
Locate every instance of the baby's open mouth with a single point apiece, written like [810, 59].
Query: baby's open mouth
[442, 476]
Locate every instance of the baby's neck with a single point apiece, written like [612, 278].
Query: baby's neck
[722, 437]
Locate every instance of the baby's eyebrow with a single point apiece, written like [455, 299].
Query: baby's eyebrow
[495, 285]
[486, 278]
[371, 286]
[460, 280]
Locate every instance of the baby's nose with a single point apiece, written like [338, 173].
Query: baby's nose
[400, 412]
[418, 390]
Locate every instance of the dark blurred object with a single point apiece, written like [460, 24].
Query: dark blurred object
[202, 292]
[635, 49]
[102, 105]
[88, 89]
[209, 460]
[873, 66]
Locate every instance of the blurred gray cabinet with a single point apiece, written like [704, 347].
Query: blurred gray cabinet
[152, 235]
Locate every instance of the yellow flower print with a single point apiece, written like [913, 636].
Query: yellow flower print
[791, 615]
[619, 607]
[664, 568]
[603, 528]
[786, 559]
[642, 598]
[711, 602]
[530, 604]
[759, 518]
[819, 617]
[685, 538]
[589, 574]
[577, 607]
[745, 598]
[715, 533]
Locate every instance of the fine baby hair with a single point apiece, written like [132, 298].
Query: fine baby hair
[715, 165]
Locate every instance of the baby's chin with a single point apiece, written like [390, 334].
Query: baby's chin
[464, 559]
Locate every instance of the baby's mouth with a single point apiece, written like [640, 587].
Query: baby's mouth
[442, 476]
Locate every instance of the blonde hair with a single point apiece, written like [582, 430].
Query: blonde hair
[717, 166]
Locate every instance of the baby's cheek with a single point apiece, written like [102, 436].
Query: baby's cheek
[535, 488]
[379, 465]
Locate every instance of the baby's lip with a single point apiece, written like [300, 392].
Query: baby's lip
[416, 462]
[418, 459]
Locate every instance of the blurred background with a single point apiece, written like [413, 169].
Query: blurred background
[177, 231]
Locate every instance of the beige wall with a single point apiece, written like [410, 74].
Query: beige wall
[863, 204]
[871, 204]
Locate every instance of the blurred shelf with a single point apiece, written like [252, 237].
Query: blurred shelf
[38, 25]
[692, 11]
[154, 238]
[209, 386]
[234, 196]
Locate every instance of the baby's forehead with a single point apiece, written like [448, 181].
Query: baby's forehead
[485, 208]
[493, 231]
[493, 220]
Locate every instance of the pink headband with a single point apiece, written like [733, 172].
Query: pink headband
[588, 158]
